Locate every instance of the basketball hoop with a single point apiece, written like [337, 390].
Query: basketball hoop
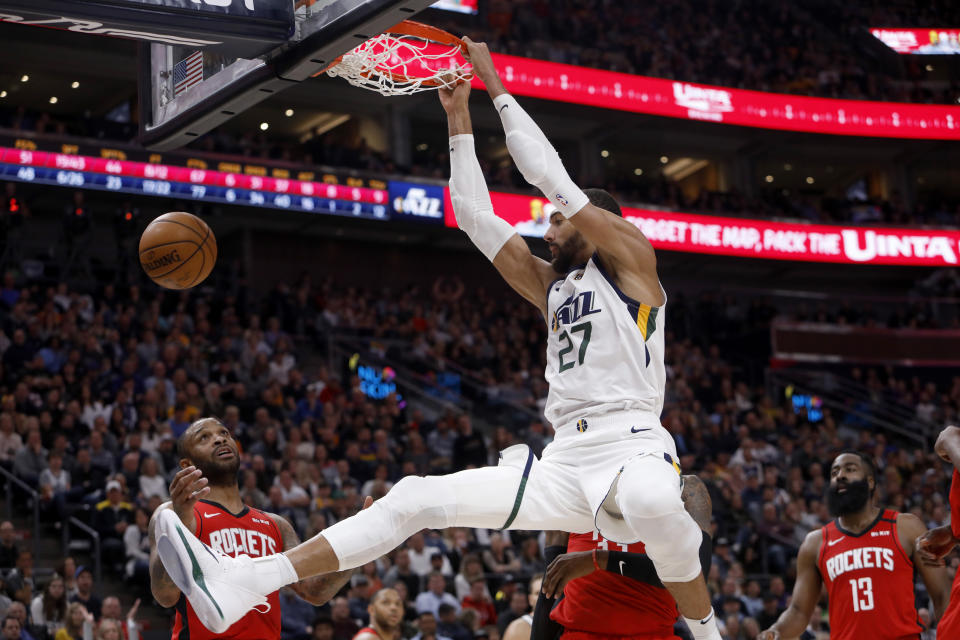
[407, 58]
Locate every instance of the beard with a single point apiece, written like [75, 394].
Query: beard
[854, 499]
[221, 473]
[567, 252]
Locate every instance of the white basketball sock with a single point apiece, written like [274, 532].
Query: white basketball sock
[705, 629]
[274, 572]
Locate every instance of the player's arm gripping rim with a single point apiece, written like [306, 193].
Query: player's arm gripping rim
[317, 590]
[625, 251]
[527, 274]
[910, 529]
[806, 592]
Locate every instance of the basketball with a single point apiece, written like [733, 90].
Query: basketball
[178, 250]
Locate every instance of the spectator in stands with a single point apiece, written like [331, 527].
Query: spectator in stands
[21, 577]
[359, 598]
[31, 460]
[420, 555]
[68, 573]
[322, 629]
[427, 624]
[8, 545]
[54, 486]
[19, 611]
[435, 595]
[151, 482]
[136, 543]
[10, 441]
[480, 602]
[499, 558]
[401, 571]
[111, 518]
[79, 624]
[471, 569]
[5, 600]
[448, 625]
[296, 616]
[112, 617]
[85, 596]
[49, 609]
[11, 628]
[469, 449]
[344, 626]
[519, 606]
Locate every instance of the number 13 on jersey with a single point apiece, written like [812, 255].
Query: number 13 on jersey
[862, 594]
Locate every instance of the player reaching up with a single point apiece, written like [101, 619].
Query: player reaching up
[205, 499]
[612, 466]
[866, 558]
[937, 543]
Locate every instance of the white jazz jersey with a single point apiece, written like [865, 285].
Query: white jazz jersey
[604, 349]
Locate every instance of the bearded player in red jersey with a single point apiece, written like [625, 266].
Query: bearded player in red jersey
[866, 558]
[205, 496]
[937, 543]
[610, 591]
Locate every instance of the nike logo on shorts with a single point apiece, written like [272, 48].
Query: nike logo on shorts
[635, 430]
[503, 107]
[622, 562]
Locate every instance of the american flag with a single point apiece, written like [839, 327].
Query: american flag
[187, 72]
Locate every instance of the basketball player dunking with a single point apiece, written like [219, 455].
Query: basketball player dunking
[612, 466]
[866, 560]
[205, 497]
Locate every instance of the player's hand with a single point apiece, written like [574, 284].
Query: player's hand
[132, 614]
[934, 545]
[187, 487]
[941, 445]
[769, 634]
[478, 55]
[455, 94]
[564, 568]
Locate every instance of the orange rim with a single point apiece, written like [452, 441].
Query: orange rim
[416, 30]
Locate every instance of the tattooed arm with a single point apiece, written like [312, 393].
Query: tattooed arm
[697, 502]
[317, 590]
[165, 592]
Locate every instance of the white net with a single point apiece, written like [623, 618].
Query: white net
[396, 65]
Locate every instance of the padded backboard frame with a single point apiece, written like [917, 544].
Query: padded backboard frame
[326, 30]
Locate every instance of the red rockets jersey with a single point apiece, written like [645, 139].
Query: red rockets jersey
[869, 581]
[251, 532]
[949, 626]
[603, 603]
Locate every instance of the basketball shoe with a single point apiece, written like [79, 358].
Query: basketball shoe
[220, 589]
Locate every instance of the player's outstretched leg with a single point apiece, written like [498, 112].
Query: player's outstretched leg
[222, 589]
[648, 495]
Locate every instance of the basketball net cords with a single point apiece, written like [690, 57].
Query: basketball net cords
[370, 66]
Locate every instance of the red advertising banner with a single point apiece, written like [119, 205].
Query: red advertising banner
[656, 96]
[933, 42]
[742, 237]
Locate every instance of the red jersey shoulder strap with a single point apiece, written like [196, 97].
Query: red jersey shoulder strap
[824, 540]
[890, 516]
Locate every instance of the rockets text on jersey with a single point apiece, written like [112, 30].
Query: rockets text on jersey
[869, 580]
[604, 349]
[250, 532]
[603, 603]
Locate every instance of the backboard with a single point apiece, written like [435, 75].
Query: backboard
[185, 91]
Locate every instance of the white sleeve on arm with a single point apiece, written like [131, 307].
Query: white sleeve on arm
[536, 158]
[471, 199]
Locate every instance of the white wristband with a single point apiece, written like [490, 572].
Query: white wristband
[536, 158]
[471, 200]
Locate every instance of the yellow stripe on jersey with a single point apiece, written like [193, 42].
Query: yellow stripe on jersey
[647, 320]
